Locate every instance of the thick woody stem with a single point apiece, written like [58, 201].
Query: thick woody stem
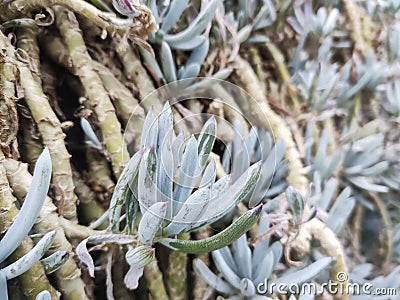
[49, 127]
[34, 280]
[68, 279]
[94, 89]
[142, 25]
[154, 279]
[134, 70]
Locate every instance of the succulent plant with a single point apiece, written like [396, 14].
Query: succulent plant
[245, 273]
[23, 224]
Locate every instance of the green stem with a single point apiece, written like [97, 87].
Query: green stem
[177, 276]
[94, 89]
[49, 127]
[154, 280]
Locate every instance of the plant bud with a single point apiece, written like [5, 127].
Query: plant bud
[126, 7]
[140, 256]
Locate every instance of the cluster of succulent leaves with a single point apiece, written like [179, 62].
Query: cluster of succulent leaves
[169, 187]
[21, 227]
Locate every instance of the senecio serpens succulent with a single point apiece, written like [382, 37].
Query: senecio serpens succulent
[165, 209]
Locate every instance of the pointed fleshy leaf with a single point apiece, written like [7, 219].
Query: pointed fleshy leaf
[177, 149]
[175, 11]
[363, 183]
[147, 180]
[167, 63]
[206, 140]
[121, 189]
[242, 255]
[227, 256]
[55, 261]
[186, 45]
[224, 269]
[89, 132]
[221, 239]
[197, 26]
[29, 259]
[132, 277]
[304, 274]
[83, 254]
[209, 175]
[265, 268]
[198, 54]
[151, 222]
[190, 211]
[149, 136]
[210, 278]
[30, 209]
[221, 204]
[152, 63]
[188, 173]
[341, 211]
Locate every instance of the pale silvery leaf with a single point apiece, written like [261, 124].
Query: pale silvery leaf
[121, 189]
[187, 174]
[304, 274]
[341, 211]
[190, 211]
[55, 261]
[206, 140]
[30, 209]
[210, 278]
[242, 255]
[3, 286]
[147, 180]
[228, 258]
[247, 287]
[225, 201]
[151, 222]
[296, 202]
[167, 63]
[221, 185]
[264, 268]
[197, 26]
[29, 259]
[225, 270]
[44, 295]
[132, 277]
[198, 54]
[363, 183]
[83, 254]
[209, 175]
[187, 45]
[177, 149]
[187, 72]
[88, 130]
[149, 136]
[151, 62]
[175, 11]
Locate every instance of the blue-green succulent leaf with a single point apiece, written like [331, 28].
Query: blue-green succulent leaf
[210, 278]
[151, 222]
[29, 259]
[30, 209]
[175, 11]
